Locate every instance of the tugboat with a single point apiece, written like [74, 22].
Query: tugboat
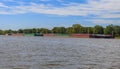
[38, 34]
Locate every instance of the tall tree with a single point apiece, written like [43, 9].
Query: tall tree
[116, 30]
[98, 29]
[84, 30]
[2, 32]
[69, 30]
[34, 30]
[109, 29]
[59, 30]
[90, 30]
[20, 31]
[27, 31]
[45, 31]
[77, 28]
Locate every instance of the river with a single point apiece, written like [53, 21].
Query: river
[59, 53]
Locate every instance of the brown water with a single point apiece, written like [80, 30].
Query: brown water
[59, 53]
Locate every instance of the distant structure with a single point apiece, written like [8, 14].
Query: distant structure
[80, 35]
[64, 35]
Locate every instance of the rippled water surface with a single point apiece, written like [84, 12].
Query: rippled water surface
[59, 53]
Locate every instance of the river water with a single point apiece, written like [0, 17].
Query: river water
[58, 53]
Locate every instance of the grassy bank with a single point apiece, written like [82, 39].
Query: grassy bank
[118, 37]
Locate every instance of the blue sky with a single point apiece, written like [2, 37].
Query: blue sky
[16, 14]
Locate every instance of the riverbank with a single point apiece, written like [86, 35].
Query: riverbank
[65, 35]
[117, 37]
[79, 35]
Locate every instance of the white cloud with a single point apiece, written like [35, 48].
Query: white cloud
[103, 21]
[3, 6]
[101, 9]
[8, 0]
[110, 16]
[45, 0]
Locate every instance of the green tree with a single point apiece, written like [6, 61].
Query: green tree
[34, 30]
[2, 32]
[77, 28]
[85, 30]
[69, 30]
[116, 30]
[20, 31]
[90, 30]
[59, 30]
[45, 31]
[27, 31]
[62, 30]
[109, 29]
[98, 29]
[9, 31]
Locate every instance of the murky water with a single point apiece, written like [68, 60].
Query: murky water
[59, 53]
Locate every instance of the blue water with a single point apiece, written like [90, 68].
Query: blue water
[58, 53]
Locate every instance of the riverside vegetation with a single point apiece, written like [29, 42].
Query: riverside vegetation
[74, 29]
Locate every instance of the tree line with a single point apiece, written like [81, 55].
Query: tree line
[74, 29]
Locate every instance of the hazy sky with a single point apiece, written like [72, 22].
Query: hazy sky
[15, 14]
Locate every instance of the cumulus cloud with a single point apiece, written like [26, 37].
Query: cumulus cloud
[76, 8]
[101, 9]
